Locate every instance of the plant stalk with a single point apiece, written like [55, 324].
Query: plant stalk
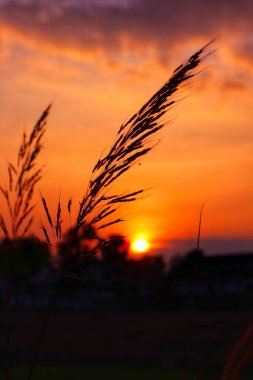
[43, 328]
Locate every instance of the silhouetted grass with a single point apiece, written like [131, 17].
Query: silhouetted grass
[134, 139]
[22, 180]
[18, 196]
[239, 356]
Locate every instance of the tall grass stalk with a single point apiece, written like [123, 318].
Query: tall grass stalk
[23, 176]
[22, 180]
[238, 357]
[134, 139]
[195, 268]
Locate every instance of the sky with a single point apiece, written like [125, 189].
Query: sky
[98, 62]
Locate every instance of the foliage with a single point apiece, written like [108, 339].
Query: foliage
[22, 258]
[116, 249]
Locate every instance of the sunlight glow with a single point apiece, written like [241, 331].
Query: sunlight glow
[140, 245]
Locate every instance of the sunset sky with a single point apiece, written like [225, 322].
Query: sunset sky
[99, 61]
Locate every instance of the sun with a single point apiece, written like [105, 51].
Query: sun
[140, 245]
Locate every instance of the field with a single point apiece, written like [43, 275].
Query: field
[128, 345]
[97, 373]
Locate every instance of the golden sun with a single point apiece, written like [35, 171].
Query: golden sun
[140, 245]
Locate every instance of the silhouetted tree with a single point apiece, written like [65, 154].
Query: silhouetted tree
[77, 248]
[115, 249]
[22, 258]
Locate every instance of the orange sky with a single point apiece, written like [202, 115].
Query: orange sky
[99, 62]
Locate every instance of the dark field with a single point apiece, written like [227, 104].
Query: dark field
[133, 343]
[97, 373]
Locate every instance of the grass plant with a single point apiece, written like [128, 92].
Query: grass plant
[134, 139]
[22, 180]
[98, 206]
[23, 177]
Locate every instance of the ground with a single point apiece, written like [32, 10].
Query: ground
[138, 344]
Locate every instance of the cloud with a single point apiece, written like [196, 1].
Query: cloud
[124, 26]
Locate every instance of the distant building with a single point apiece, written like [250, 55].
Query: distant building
[216, 275]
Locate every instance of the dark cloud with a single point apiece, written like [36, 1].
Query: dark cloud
[110, 25]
